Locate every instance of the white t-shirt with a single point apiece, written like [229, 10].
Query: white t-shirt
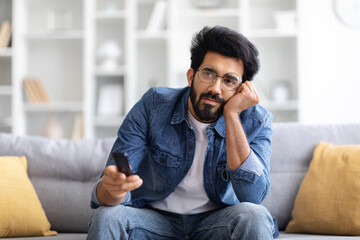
[189, 197]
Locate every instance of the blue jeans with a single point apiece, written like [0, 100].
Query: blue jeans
[242, 221]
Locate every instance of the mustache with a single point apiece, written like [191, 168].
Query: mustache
[212, 96]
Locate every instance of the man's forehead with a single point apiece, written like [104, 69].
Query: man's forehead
[222, 63]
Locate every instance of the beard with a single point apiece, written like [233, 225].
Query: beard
[208, 113]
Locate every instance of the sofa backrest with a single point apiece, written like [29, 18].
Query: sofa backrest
[63, 173]
[293, 145]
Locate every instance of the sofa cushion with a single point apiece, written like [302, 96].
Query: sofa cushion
[63, 173]
[60, 236]
[302, 236]
[293, 145]
[21, 211]
[329, 196]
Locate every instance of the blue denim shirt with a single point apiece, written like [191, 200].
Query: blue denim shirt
[160, 144]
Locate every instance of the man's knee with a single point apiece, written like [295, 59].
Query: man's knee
[108, 215]
[110, 223]
[255, 221]
[253, 212]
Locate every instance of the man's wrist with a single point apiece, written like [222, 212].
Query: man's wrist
[230, 114]
[228, 110]
[105, 198]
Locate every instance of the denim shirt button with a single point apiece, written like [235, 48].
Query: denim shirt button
[163, 160]
[190, 147]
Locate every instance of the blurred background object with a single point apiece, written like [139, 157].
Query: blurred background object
[96, 58]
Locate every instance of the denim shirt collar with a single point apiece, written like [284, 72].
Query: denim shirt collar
[181, 111]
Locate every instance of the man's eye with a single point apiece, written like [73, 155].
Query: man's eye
[230, 81]
[208, 73]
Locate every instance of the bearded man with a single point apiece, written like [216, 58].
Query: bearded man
[200, 155]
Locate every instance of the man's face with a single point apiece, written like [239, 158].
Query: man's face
[207, 100]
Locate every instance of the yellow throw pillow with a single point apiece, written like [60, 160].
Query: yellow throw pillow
[328, 201]
[21, 213]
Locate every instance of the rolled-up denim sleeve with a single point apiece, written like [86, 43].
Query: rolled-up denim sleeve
[251, 181]
[95, 202]
[250, 170]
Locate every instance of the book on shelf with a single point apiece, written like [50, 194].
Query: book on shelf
[5, 34]
[157, 21]
[35, 91]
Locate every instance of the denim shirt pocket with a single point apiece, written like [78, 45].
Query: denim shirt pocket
[163, 168]
[164, 158]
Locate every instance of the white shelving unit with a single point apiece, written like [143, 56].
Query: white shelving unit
[150, 57]
[112, 90]
[49, 43]
[273, 29]
[269, 24]
[67, 44]
[6, 64]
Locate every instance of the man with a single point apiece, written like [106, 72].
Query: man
[199, 155]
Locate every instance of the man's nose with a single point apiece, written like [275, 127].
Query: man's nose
[215, 87]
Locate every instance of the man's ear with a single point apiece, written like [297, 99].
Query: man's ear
[190, 76]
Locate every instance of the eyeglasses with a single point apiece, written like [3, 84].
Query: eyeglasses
[230, 81]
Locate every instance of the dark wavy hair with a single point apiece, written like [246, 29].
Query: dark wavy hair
[227, 42]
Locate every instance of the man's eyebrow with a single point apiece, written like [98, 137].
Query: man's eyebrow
[210, 69]
[232, 75]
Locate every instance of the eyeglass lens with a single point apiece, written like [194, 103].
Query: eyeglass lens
[230, 80]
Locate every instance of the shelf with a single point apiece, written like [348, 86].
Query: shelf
[63, 52]
[118, 72]
[5, 90]
[108, 121]
[66, 35]
[291, 105]
[272, 33]
[5, 52]
[206, 13]
[109, 15]
[54, 107]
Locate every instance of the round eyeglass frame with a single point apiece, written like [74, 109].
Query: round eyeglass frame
[218, 76]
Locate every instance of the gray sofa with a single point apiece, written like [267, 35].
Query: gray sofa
[63, 173]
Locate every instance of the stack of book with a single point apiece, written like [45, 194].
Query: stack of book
[35, 91]
[5, 34]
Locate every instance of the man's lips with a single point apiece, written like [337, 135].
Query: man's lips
[210, 101]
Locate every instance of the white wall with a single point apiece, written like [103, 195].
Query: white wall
[329, 54]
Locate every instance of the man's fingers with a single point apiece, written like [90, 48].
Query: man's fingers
[248, 85]
[129, 186]
[251, 87]
[119, 187]
[110, 187]
[120, 179]
[123, 187]
[111, 171]
[253, 90]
